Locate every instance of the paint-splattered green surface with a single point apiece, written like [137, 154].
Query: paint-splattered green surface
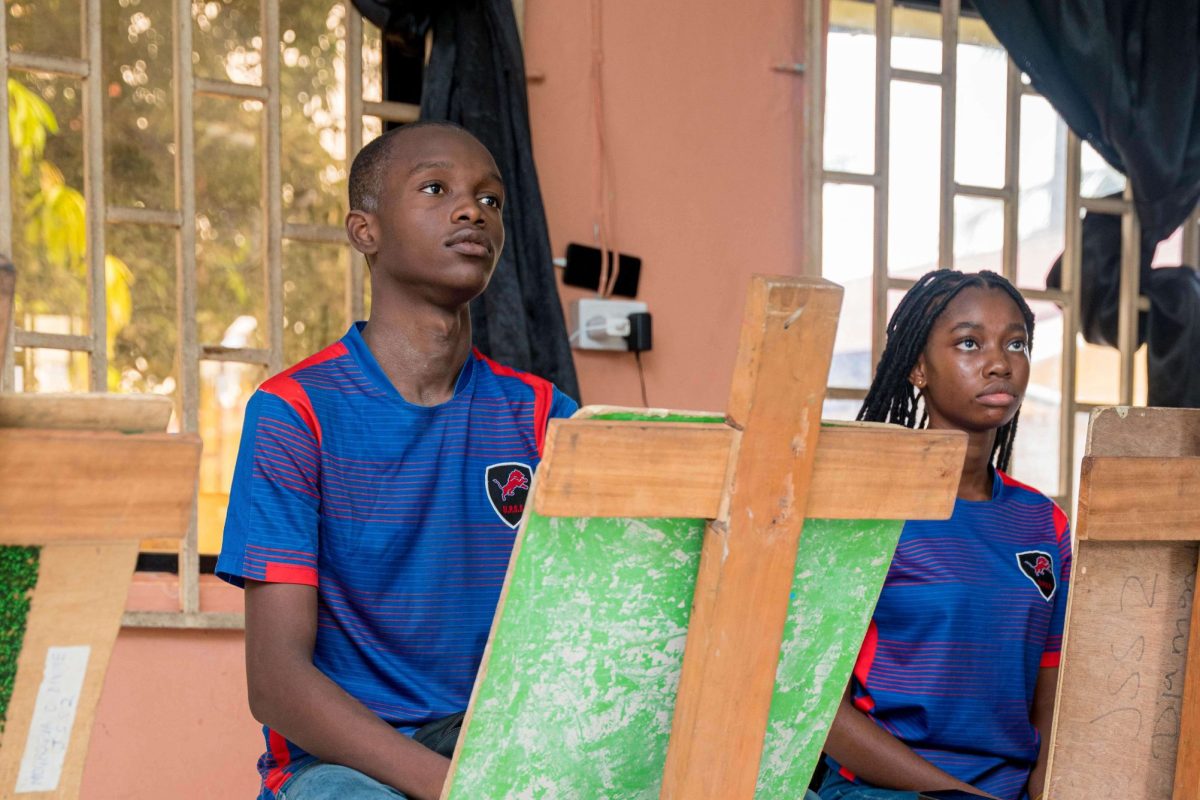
[580, 686]
[18, 576]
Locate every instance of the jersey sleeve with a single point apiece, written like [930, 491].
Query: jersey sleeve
[562, 405]
[1053, 650]
[272, 523]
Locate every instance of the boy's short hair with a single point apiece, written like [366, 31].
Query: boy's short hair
[371, 163]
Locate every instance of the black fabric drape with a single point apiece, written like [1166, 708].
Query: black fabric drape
[1125, 75]
[1171, 328]
[476, 77]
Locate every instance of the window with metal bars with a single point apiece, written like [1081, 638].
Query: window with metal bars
[176, 178]
[938, 153]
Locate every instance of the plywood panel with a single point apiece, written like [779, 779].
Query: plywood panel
[58, 486]
[1144, 432]
[78, 602]
[1121, 694]
[1126, 497]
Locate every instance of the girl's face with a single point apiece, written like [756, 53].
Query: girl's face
[975, 365]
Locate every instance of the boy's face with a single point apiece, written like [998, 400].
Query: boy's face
[438, 229]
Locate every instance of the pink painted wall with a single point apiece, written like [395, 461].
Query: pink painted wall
[705, 144]
[173, 720]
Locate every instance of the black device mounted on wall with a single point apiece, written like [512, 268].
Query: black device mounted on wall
[583, 270]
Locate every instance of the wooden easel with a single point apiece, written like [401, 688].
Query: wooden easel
[756, 478]
[81, 480]
[1127, 723]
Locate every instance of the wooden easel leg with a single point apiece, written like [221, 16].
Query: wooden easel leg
[74, 618]
[749, 555]
[1187, 759]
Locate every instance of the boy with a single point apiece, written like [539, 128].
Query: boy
[378, 487]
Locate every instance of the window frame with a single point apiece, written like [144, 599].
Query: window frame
[1067, 298]
[190, 352]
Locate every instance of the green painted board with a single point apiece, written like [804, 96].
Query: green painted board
[578, 690]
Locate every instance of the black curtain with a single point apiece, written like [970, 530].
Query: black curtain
[1171, 328]
[476, 77]
[1125, 75]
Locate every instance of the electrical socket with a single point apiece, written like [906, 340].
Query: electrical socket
[601, 324]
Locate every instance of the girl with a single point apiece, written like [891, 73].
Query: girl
[954, 687]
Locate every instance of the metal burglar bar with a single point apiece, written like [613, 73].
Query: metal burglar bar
[1067, 299]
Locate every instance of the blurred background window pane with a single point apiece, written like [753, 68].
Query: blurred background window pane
[45, 370]
[225, 388]
[315, 281]
[49, 215]
[46, 27]
[1041, 211]
[914, 183]
[143, 327]
[312, 92]
[227, 40]
[139, 110]
[847, 261]
[231, 306]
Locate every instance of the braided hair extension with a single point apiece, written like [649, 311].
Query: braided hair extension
[892, 398]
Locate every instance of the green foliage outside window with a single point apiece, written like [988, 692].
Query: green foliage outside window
[18, 576]
[46, 123]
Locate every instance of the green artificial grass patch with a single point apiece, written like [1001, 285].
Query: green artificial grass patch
[18, 576]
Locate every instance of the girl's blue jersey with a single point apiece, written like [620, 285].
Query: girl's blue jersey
[971, 609]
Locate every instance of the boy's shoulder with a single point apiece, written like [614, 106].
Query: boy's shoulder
[298, 389]
[299, 372]
[504, 373]
[545, 394]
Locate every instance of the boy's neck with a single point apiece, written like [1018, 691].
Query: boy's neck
[421, 348]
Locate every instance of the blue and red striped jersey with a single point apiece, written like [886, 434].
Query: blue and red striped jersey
[971, 608]
[402, 516]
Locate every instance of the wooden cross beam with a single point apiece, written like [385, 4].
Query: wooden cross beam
[1128, 718]
[756, 479]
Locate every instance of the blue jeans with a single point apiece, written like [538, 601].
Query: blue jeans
[322, 781]
[333, 782]
[836, 787]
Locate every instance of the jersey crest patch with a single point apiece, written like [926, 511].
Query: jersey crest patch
[1038, 566]
[507, 489]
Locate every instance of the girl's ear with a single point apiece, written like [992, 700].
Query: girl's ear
[917, 376]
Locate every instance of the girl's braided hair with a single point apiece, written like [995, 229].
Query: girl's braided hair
[892, 398]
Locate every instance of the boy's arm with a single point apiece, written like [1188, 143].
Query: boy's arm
[292, 697]
[1043, 716]
[882, 760]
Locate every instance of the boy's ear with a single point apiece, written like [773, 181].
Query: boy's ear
[917, 376]
[362, 229]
